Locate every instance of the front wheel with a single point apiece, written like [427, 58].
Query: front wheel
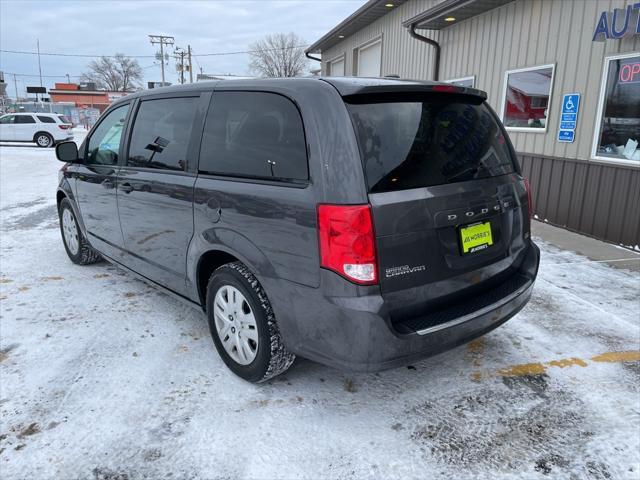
[44, 140]
[243, 325]
[76, 245]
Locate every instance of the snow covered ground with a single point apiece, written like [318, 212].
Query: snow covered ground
[103, 377]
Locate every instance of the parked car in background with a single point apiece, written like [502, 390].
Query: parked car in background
[360, 223]
[43, 129]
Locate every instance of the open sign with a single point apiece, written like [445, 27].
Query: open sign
[630, 73]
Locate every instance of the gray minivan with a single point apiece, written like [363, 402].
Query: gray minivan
[359, 223]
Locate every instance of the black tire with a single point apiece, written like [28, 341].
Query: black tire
[85, 255]
[43, 140]
[272, 358]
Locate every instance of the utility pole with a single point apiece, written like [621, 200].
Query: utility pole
[162, 40]
[181, 67]
[15, 84]
[68, 78]
[181, 53]
[39, 66]
[190, 64]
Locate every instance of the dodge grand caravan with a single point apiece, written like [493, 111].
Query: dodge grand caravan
[360, 223]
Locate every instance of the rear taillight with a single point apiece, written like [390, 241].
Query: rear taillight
[64, 127]
[527, 186]
[445, 88]
[347, 242]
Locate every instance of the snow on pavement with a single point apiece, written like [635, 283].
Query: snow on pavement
[102, 376]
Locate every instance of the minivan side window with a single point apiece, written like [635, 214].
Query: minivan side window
[104, 142]
[7, 120]
[161, 132]
[254, 134]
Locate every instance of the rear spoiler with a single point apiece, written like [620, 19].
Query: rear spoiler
[350, 89]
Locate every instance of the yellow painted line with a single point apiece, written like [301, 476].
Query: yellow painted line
[630, 356]
[567, 362]
[539, 368]
[476, 346]
[523, 369]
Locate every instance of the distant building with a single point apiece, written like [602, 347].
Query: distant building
[84, 95]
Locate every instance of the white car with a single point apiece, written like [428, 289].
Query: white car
[45, 129]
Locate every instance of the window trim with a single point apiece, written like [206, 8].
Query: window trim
[132, 123]
[343, 57]
[552, 66]
[299, 183]
[92, 132]
[462, 79]
[599, 112]
[363, 46]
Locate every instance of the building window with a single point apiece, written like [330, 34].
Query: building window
[617, 132]
[336, 66]
[469, 82]
[369, 59]
[525, 104]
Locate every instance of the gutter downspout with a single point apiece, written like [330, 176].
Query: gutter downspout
[311, 57]
[434, 44]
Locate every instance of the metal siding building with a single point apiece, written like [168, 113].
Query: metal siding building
[571, 187]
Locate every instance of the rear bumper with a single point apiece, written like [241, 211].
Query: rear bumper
[353, 332]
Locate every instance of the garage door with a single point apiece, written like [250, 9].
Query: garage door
[337, 68]
[369, 60]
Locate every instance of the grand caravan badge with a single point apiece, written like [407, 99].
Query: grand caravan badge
[403, 270]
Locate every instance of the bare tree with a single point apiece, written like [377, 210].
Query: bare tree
[118, 73]
[278, 55]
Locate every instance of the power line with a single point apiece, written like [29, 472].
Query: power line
[62, 76]
[43, 76]
[81, 55]
[50, 54]
[251, 51]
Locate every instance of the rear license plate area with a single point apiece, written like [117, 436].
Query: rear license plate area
[475, 237]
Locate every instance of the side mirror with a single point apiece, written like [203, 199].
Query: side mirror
[67, 152]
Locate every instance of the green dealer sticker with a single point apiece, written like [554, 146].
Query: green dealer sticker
[476, 237]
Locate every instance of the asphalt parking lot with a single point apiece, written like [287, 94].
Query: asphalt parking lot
[101, 376]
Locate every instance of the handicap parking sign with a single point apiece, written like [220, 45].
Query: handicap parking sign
[571, 103]
[569, 117]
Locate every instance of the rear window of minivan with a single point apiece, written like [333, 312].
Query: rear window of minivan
[429, 139]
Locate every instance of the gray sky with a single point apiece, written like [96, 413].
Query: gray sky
[109, 26]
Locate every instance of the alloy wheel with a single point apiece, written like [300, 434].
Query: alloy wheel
[43, 140]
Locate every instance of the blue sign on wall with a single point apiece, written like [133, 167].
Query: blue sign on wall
[621, 23]
[571, 103]
[569, 117]
[566, 135]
